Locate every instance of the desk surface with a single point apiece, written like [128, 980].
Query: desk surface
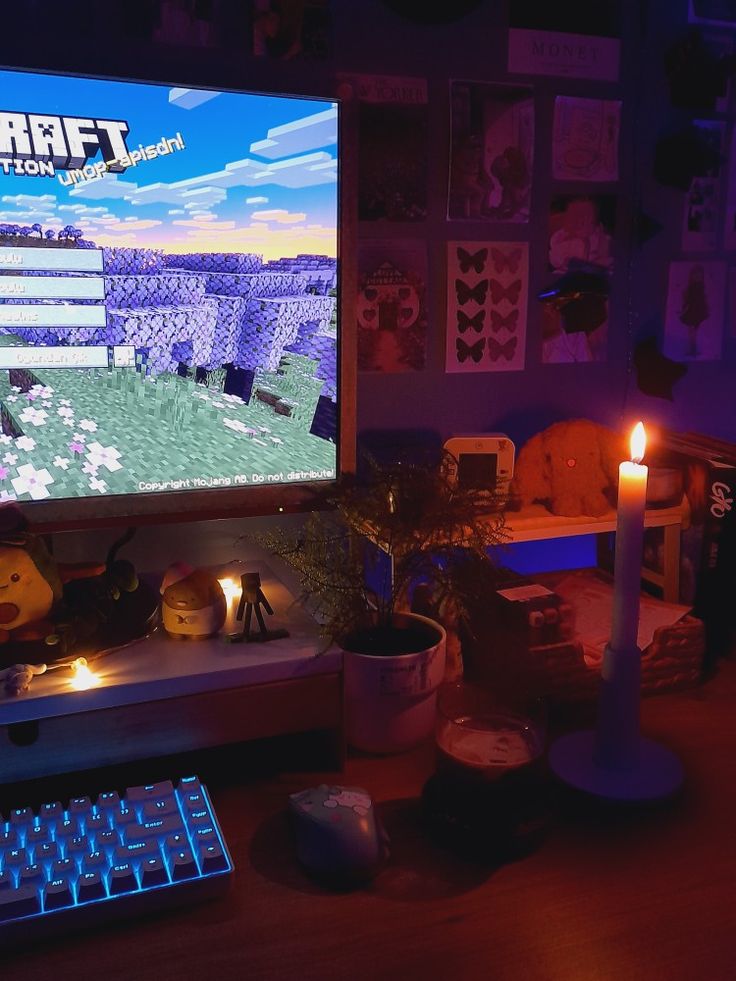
[628, 895]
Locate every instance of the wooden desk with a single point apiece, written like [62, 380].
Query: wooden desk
[640, 896]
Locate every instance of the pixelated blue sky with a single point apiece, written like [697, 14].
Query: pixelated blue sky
[258, 173]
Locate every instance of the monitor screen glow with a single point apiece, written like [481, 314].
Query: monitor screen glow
[169, 300]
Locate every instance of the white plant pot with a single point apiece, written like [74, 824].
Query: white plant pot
[391, 700]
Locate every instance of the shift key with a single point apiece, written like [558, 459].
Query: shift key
[155, 828]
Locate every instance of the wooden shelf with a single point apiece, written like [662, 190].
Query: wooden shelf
[536, 523]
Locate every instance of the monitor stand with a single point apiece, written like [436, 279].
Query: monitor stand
[160, 696]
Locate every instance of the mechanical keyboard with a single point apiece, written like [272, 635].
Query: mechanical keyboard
[154, 847]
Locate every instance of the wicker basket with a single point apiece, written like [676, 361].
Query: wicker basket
[672, 661]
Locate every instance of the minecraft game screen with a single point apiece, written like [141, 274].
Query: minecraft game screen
[168, 288]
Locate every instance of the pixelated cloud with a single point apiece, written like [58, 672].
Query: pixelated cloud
[109, 186]
[279, 215]
[259, 199]
[136, 226]
[190, 98]
[176, 211]
[299, 136]
[204, 223]
[37, 202]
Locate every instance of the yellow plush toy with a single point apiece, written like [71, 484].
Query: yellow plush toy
[571, 468]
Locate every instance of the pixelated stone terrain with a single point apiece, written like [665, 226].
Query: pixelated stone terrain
[198, 323]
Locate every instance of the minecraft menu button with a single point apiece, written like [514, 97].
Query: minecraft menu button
[51, 260]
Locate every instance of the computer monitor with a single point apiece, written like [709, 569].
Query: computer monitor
[170, 301]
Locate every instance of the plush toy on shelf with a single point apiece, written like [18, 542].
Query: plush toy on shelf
[571, 468]
[193, 605]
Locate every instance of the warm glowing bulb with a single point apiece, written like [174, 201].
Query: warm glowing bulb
[82, 677]
[638, 442]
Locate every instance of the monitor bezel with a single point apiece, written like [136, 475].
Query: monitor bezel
[162, 507]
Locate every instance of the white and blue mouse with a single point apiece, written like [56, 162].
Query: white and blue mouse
[338, 835]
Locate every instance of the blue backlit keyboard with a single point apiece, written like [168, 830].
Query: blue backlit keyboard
[88, 861]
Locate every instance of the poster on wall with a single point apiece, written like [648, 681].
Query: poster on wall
[702, 201]
[393, 115]
[729, 227]
[487, 284]
[695, 311]
[391, 306]
[581, 232]
[580, 254]
[565, 38]
[585, 139]
[288, 29]
[492, 151]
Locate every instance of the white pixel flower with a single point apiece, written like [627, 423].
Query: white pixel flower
[12, 398]
[15, 388]
[276, 441]
[6, 496]
[230, 398]
[10, 458]
[61, 461]
[104, 456]
[65, 411]
[68, 422]
[90, 467]
[264, 429]
[36, 417]
[32, 481]
[4, 438]
[25, 443]
[79, 438]
[219, 405]
[236, 424]
[88, 425]
[98, 485]
[64, 402]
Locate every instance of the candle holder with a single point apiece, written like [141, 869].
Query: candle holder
[613, 761]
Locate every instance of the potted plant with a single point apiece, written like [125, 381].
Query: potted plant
[391, 528]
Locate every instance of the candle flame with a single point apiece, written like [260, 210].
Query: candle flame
[638, 442]
[82, 677]
[230, 588]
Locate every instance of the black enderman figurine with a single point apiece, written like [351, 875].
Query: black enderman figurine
[252, 598]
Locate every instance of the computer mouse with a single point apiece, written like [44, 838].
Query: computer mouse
[339, 837]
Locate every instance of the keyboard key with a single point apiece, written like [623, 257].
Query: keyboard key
[176, 842]
[183, 865]
[107, 839]
[203, 837]
[80, 806]
[18, 902]
[6, 881]
[160, 808]
[16, 858]
[194, 802]
[212, 859]
[63, 868]
[96, 823]
[51, 812]
[47, 852]
[153, 873]
[90, 886]
[68, 828]
[95, 861]
[123, 817]
[199, 819]
[189, 784]
[57, 894]
[122, 879]
[157, 828]
[110, 800]
[32, 875]
[136, 852]
[78, 847]
[8, 839]
[152, 791]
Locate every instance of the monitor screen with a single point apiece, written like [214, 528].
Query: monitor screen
[168, 296]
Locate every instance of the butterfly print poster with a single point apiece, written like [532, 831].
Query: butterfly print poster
[487, 284]
[391, 306]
